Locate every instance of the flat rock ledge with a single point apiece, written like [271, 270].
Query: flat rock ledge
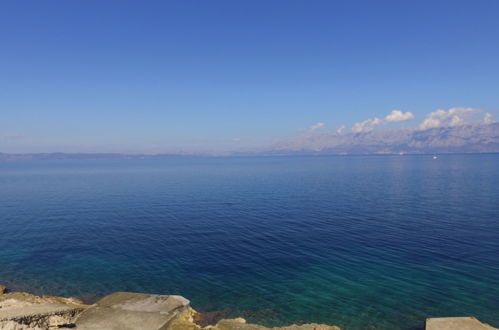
[118, 311]
[139, 311]
[23, 311]
[456, 323]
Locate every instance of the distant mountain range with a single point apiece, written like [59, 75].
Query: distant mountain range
[477, 138]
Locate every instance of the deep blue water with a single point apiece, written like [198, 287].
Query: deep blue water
[375, 242]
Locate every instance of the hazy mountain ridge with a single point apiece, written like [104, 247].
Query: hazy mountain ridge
[458, 139]
[469, 138]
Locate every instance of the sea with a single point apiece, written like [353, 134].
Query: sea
[361, 242]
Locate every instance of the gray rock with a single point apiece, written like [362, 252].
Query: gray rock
[23, 311]
[456, 323]
[130, 311]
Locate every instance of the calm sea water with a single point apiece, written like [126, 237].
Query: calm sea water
[377, 242]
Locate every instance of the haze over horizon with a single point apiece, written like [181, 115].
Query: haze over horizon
[223, 76]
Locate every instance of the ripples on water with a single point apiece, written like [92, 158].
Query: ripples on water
[378, 242]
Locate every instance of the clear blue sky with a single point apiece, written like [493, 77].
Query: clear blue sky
[132, 76]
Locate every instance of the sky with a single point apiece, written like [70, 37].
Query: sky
[209, 76]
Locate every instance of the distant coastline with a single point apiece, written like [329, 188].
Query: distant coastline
[463, 139]
[67, 156]
[13, 157]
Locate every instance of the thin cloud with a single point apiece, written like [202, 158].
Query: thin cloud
[370, 124]
[367, 125]
[12, 136]
[317, 126]
[487, 118]
[341, 130]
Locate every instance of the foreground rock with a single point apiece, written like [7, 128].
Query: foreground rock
[23, 311]
[128, 311]
[456, 323]
[118, 311]
[138, 311]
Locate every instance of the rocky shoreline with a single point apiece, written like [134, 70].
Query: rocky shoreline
[130, 311]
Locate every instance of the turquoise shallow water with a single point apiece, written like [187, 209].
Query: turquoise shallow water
[375, 242]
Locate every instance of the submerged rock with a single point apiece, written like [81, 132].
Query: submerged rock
[211, 318]
[240, 324]
[186, 322]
